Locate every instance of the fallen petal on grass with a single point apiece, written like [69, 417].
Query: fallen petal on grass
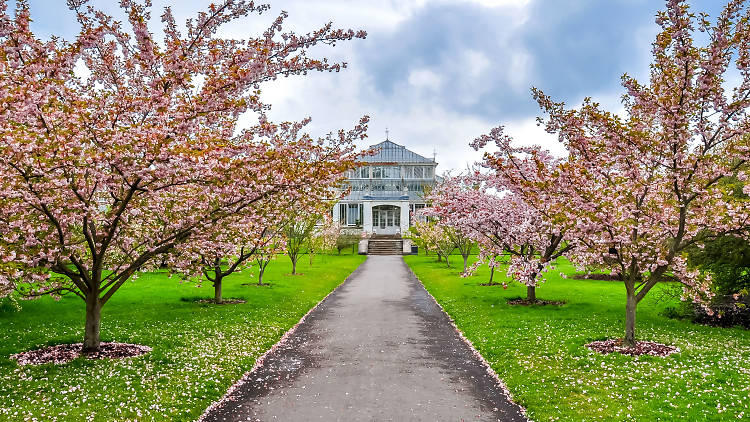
[64, 353]
[640, 348]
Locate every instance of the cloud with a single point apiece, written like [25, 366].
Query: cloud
[439, 73]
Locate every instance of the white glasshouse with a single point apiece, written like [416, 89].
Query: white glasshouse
[386, 191]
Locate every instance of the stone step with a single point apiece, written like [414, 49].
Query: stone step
[380, 246]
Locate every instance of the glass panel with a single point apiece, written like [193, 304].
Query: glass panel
[418, 172]
[377, 172]
[364, 172]
[342, 213]
[359, 186]
[428, 172]
[351, 217]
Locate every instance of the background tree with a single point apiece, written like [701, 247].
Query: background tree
[228, 248]
[451, 222]
[727, 259]
[107, 168]
[346, 239]
[489, 209]
[433, 237]
[646, 186]
[270, 245]
[298, 228]
[323, 237]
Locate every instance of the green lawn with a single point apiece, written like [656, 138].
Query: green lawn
[199, 350]
[539, 351]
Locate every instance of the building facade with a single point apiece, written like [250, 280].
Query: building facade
[386, 190]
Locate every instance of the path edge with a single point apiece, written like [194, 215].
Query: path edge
[491, 372]
[261, 359]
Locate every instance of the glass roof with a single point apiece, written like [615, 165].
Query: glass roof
[389, 152]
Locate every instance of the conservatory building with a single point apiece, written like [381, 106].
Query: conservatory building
[386, 190]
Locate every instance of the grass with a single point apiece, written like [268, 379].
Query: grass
[199, 350]
[539, 351]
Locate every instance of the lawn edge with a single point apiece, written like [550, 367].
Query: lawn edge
[261, 359]
[473, 349]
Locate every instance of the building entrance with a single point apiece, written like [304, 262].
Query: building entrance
[386, 219]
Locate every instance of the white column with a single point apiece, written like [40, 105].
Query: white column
[404, 217]
[336, 216]
[367, 224]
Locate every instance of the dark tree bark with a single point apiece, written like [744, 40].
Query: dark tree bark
[630, 311]
[531, 294]
[262, 264]
[91, 342]
[294, 263]
[217, 290]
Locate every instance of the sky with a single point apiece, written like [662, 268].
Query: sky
[438, 73]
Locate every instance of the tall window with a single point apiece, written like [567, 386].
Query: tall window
[352, 216]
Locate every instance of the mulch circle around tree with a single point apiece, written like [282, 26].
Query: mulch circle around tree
[490, 284]
[64, 353]
[223, 302]
[640, 348]
[538, 302]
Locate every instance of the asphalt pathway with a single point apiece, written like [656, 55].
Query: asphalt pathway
[378, 348]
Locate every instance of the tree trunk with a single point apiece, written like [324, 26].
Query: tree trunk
[492, 274]
[217, 290]
[261, 270]
[294, 266]
[466, 258]
[531, 294]
[93, 324]
[630, 309]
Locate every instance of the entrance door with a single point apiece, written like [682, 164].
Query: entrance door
[386, 219]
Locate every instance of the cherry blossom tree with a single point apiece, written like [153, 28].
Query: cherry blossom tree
[647, 184]
[117, 147]
[225, 249]
[434, 237]
[451, 223]
[488, 209]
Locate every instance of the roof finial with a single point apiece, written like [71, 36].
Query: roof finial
[434, 154]
[386, 134]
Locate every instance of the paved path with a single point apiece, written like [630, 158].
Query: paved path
[378, 348]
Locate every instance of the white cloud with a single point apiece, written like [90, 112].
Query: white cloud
[476, 62]
[425, 78]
